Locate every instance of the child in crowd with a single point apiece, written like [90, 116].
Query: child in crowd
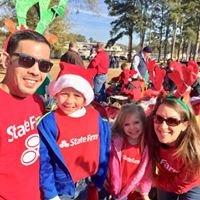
[127, 74]
[175, 150]
[75, 140]
[129, 164]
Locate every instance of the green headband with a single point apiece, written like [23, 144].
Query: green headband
[180, 102]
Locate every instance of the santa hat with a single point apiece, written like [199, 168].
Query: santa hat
[75, 77]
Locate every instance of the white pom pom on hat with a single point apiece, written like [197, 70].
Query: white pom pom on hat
[75, 77]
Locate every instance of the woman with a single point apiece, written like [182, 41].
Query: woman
[175, 139]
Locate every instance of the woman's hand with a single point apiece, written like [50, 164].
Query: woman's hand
[145, 197]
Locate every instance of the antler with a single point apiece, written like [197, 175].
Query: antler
[183, 77]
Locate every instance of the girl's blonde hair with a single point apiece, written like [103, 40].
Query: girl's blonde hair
[188, 143]
[126, 110]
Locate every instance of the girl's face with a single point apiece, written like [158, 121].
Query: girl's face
[133, 128]
[70, 100]
[168, 125]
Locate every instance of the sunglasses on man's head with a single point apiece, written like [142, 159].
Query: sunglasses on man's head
[169, 121]
[27, 61]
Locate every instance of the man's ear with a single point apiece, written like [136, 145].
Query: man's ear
[5, 61]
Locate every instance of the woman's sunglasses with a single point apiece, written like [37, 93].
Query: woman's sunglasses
[27, 61]
[169, 121]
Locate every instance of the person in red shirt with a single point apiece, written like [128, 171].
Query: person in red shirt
[27, 61]
[129, 164]
[101, 64]
[75, 140]
[127, 74]
[175, 151]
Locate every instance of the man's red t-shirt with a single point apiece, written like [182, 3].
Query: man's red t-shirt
[19, 147]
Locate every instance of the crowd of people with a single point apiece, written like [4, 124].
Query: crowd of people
[71, 151]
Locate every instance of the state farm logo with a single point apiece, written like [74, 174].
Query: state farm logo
[16, 132]
[31, 154]
[130, 160]
[77, 141]
[166, 165]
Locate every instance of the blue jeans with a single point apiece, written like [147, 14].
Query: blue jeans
[104, 195]
[81, 191]
[99, 87]
[193, 194]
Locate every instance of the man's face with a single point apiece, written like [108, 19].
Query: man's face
[147, 55]
[23, 81]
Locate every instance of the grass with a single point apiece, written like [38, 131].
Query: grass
[55, 70]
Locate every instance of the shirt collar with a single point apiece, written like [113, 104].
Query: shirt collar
[78, 113]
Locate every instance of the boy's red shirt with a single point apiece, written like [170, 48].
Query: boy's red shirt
[79, 143]
[125, 75]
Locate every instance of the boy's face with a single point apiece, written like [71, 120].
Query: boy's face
[70, 100]
[126, 67]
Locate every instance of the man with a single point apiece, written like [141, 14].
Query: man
[26, 59]
[72, 56]
[140, 63]
[101, 63]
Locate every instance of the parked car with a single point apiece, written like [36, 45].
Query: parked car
[122, 57]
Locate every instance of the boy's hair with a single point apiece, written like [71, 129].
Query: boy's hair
[188, 143]
[123, 65]
[14, 39]
[126, 110]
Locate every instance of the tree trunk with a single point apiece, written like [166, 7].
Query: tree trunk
[192, 51]
[174, 39]
[197, 42]
[160, 39]
[130, 42]
[150, 33]
[181, 43]
[183, 50]
[166, 41]
[188, 50]
[142, 36]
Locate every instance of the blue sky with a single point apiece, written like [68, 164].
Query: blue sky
[91, 24]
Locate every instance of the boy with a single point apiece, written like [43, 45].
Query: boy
[75, 140]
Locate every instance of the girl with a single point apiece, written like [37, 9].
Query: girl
[129, 165]
[175, 150]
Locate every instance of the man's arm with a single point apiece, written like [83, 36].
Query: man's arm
[94, 62]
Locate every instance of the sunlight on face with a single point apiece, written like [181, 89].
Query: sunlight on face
[168, 134]
[133, 127]
[25, 81]
[70, 100]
